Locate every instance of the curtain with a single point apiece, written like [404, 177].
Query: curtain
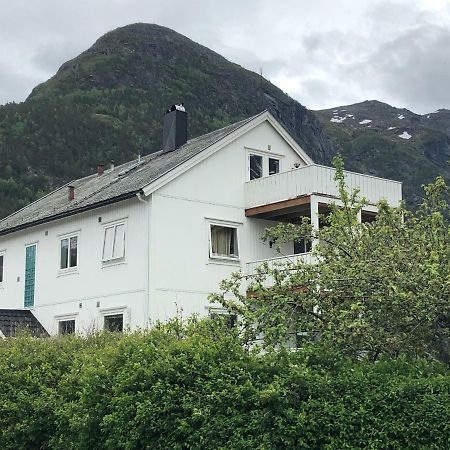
[221, 240]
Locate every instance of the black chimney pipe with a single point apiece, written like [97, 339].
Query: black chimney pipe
[175, 128]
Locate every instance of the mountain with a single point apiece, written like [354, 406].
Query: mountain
[108, 104]
[381, 140]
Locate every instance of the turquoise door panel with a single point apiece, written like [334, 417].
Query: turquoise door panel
[30, 275]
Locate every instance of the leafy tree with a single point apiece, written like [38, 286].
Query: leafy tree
[379, 288]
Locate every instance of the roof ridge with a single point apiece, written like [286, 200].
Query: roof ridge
[94, 189]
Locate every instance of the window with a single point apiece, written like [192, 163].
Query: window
[302, 246]
[114, 323]
[30, 275]
[2, 258]
[114, 242]
[256, 166]
[69, 252]
[274, 166]
[66, 327]
[223, 242]
[263, 165]
[229, 320]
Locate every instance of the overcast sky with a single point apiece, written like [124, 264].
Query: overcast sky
[323, 53]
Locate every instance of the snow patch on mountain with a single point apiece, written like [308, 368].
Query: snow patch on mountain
[340, 119]
[363, 122]
[401, 116]
[405, 135]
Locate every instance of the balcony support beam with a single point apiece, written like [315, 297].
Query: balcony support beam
[314, 216]
[265, 210]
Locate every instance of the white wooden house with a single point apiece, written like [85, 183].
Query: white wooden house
[135, 243]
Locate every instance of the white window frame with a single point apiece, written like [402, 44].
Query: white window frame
[3, 253]
[74, 269]
[64, 318]
[277, 158]
[220, 311]
[265, 162]
[228, 224]
[114, 311]
[120, 259]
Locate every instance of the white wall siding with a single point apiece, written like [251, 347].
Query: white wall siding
[93, 283]
[182, 273]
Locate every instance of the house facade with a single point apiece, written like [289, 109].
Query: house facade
[138, 243]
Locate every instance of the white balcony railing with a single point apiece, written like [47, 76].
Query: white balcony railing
[316, 179]
[282, 262]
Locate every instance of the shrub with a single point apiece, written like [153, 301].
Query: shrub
[194, 386]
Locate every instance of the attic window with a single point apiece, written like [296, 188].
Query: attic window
[274, 166]
[262, 165]
[256, 166]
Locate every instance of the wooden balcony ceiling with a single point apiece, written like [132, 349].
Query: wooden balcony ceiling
[285, 210]
[291, 210]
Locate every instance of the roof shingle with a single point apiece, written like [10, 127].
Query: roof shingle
[122, 182]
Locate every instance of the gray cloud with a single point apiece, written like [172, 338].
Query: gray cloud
[323, 53]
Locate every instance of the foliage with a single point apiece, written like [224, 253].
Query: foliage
[378, 288]
[194, 385]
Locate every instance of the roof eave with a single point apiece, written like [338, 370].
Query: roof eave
[72, 212]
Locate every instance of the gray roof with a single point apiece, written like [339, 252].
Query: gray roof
[15, 320]
[122, 182]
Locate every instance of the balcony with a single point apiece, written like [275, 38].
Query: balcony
[293, 189]
[281, 262]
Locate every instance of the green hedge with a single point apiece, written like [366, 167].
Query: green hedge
[194, 386]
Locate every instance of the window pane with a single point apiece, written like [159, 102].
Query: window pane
[73, 251]
[108, 243]
[229, 320]
[256, 169]
[302, 246]
[274, 166]
[1, 268]
[119, 242]
[64, 253]
[224, 241]
[67, 327]
[114, 323]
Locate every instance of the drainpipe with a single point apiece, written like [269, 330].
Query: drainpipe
[141, 198]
